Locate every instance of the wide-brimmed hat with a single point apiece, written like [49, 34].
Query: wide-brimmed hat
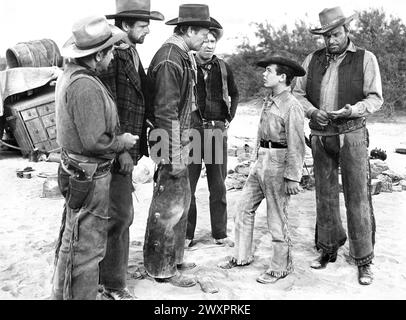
[331, 18]
[137, 9]
[217, 31]
[280, 60]
[195, 15]
[90, 35]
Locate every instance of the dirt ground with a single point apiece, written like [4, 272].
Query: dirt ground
[30, 226]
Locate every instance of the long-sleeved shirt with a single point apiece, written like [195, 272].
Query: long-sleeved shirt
[372, 87]
[86, 115]
[282, 121]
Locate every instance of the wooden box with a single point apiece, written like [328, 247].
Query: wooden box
[32, 121]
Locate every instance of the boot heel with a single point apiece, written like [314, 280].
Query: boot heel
[333, 258]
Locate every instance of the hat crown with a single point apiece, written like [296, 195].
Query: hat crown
[194, 12]
[331, 15]
[133, 5]
[91, 31]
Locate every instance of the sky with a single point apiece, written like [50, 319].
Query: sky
[28, 20]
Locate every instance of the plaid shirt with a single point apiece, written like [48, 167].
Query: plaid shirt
[127, 88]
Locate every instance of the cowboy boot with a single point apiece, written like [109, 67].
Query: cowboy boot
[365, 275]
[321, 262]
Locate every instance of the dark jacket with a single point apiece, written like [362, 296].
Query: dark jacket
[128, 87]
[169, 94]
[210, 92]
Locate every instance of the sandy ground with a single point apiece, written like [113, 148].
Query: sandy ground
[30, 225]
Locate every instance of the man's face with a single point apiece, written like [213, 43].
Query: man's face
[105, 60]
[138, 32]
[206, 52]
[271, 79]
[197, 38]
[336, 40]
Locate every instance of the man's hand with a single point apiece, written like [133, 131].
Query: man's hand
[126, 163]
[291, 187]
[342, 113]
[128, 139]
[321, 117]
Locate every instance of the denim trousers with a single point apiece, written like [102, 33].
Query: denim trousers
[266, 180]
[113, 268]
[83, 242]
[216, 176]
[350, 152]
[167, 221]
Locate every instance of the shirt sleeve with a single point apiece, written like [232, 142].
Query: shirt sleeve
[89, 113]
[232, 91]
[294, 124]
[372, 88]
[299, 90]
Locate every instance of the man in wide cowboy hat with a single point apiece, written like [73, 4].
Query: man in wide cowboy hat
[171, 80]
[126, 79]
[277, 171]
[342, 87]
[87, 123]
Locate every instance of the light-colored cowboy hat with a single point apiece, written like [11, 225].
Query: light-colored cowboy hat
[195, 15]
[140, 9]
[297, 69]
[90, 35]
[331, 18]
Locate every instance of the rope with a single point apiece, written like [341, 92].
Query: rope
[9, 145]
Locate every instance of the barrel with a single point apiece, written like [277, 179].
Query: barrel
[35, 54]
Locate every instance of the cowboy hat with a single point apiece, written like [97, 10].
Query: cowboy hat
[195, 15]
[218, 33]
[331, 18]
[297, 69]
[137, 9]
[90, 35]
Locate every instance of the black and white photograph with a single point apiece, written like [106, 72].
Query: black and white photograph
[206, 151]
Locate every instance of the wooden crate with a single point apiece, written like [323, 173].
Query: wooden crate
[32, 121]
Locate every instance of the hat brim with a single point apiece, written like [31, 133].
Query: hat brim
[70, 50]
[297, 68]
[219, 32]
[199, 23]
[153, 15]
[341, 22]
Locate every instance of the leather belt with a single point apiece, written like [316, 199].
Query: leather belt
[272, 145]
[212, 123]
[73, 164]
[339, 126]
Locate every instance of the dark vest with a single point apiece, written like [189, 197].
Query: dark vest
[350, 78]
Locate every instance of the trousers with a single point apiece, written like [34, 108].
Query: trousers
[167, 221]
[350, 152]
[266, 180]
[83, 242]
[113, 268]
[216, 176]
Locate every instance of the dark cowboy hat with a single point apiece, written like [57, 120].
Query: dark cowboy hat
[331, 18]
[195, 15]
[298, 71]
[218, 33]
[90, 35]
[137, 9]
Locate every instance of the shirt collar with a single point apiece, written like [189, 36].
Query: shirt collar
[277, 99]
